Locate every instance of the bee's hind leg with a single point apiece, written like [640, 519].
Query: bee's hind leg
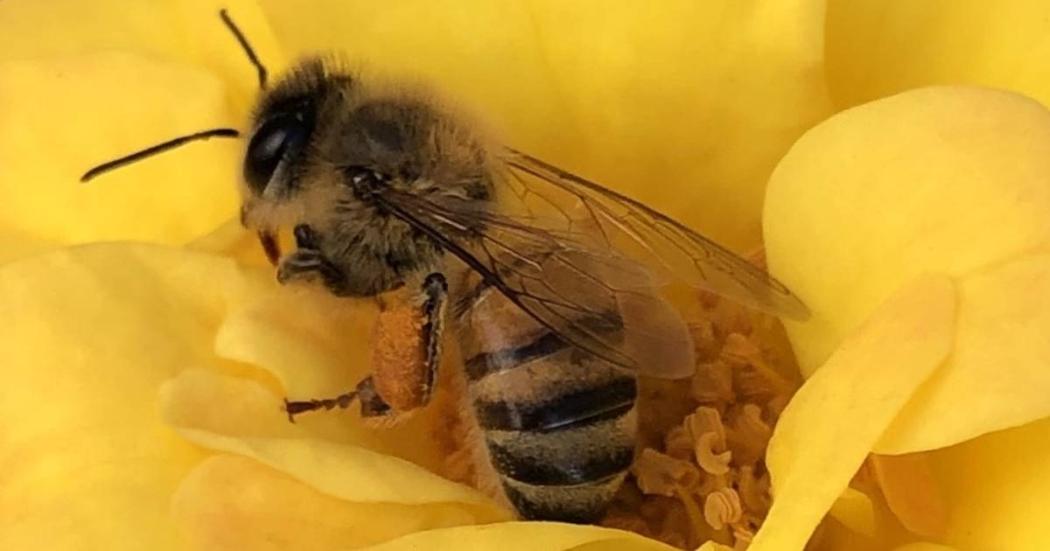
[372, 405]
[407, 382]
[435, 297]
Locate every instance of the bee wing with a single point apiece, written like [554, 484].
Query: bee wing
[652, 237]
[575, 256]
[592, 298]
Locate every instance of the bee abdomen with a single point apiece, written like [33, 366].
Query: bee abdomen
[580, 504]
[568, 475]
[609, 399]
[559, 427]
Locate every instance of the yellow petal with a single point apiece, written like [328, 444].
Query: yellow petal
[843, 230]
[317, 346]
[16, 244]
[924, 546]
[938, 179]
[351, 473]
[671, 102]
[998, 374]
[109, 78]
[100, 329]
[233, 502]
[184, 32]
[996, 489]
[239, 404]
[949, 180]
[911, 493]
[812, 454]
[312, 342]
[93, 332]
[158, 200]
[524, 536]
[248, 404]
[876, 48]
[855, 510]
[233, 240]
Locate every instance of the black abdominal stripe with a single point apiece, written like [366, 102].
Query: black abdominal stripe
[559, 424]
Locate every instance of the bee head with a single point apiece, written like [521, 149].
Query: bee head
[322, 148]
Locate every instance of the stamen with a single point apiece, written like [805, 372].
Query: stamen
[753, 378]
[722, 508]
[709, 460]
[736, 395]
[697, 521]
[700, 474]
[713, 383]
[753, 490]
[748, 434]
[709, 440]
[661, 474]
[679, 443]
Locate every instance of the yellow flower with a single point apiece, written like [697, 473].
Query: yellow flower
[942, 220]
[144, 380]
[121, 75]
[871, 217]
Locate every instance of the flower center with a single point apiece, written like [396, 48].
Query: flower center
[700, 474]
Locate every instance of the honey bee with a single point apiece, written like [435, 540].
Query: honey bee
[546, 278]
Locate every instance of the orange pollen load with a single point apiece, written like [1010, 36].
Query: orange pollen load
[399, 357]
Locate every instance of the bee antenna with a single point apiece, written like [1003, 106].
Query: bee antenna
[157, 149]
[245, 45]
[182, 140]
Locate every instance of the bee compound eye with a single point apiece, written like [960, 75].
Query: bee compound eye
[278, 140]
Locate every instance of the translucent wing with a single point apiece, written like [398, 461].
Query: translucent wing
[574, 256]
[652, 237]
[592, 298]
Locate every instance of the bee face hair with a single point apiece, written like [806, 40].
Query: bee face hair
[325, 143]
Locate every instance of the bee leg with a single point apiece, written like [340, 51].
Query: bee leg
[309, 263]
[295, 408]
[403, 384]
[372, 405]
[435, 294]
[435, 297]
